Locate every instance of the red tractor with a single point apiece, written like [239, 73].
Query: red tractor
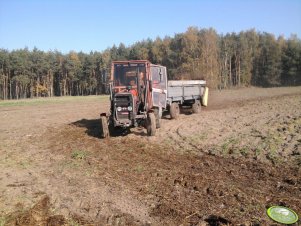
[138, 95]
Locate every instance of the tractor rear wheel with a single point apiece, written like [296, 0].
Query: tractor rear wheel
[151, 124]
[104, 128]
[174, 110]
[196, 107]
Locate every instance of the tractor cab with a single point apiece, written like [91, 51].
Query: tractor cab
[127, 75]
[130, 78]
[128, 92]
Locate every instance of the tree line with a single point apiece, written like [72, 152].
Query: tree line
[225, 61]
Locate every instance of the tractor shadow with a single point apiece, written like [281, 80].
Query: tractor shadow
[92, 127]
[139, 131]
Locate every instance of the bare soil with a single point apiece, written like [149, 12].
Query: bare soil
[224, 166]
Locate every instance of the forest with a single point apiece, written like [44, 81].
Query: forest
[247, 58]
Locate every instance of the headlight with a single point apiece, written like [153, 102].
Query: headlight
[119, 109]
[130, 108]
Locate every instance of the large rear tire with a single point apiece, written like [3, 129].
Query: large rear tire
[174, 110]
[151, 124]
[196, 107]
[104, 128]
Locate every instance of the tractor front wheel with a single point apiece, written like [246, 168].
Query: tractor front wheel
[151, 124]
[104, 128]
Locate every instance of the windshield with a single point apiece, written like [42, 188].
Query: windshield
[127, 74]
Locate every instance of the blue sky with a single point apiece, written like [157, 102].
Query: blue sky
[85, 25]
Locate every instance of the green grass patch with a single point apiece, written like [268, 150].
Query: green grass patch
[298, 161]
[73, 222]
[52, 100]
[258, 151]
[25, 164]
[2, 221]
[244, 151]
[197, 138]
[9, 160]
[139, 169]
[229, 146]
[79, 154]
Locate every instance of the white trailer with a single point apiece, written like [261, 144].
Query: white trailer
[180, 93]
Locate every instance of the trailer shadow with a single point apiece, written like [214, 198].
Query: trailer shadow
[183, 110]
[186, 110]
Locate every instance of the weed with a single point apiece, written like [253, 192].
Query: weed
[54, 210]
[233, 141]
[197, 138]
[151, 189]
[229, 146]
[213, 151]
[11, 160]
[2, 221]
[139, 169]
[273, 157]
[141, 145]
[89, 172]
[79, 154]
[21, 199]
[168, 141]
[72, 222]
[298, 161]
[225, 147]
[244, 151]
[204, 136]
[25, 164]
[258, 151]
[72, 164]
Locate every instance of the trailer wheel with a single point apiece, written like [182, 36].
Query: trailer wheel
[151, 124]
[104, 128]
[174, 110]
[158, 117]
[196, 107]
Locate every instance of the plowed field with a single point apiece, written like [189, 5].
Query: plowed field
[224, 166]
